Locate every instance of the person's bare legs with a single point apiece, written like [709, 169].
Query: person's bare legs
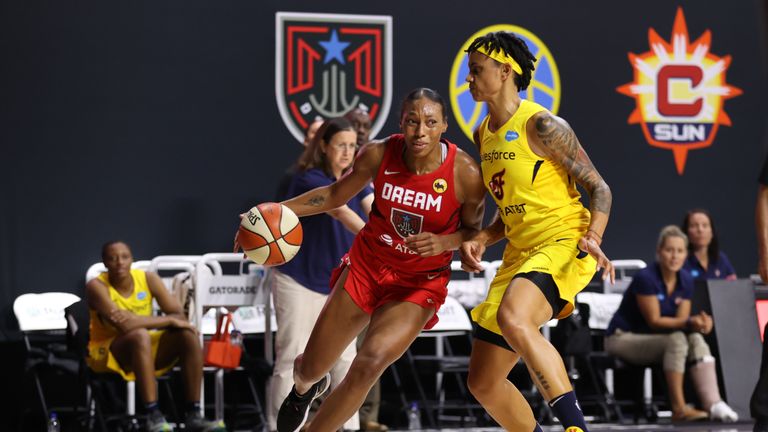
[183, 344]
[339, 323]
[489, 367]
[522, 312]
[675, 388]
[392, 329]
[133, 350]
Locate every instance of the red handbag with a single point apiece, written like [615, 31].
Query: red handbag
[220, 351]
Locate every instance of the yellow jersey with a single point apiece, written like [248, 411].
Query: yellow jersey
[538, 201]
[139, 302]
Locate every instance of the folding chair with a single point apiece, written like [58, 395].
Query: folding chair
[243, 288]
[444, 359]
[602, 307]
[41, 322]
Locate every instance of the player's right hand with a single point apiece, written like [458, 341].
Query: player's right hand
[471, 253]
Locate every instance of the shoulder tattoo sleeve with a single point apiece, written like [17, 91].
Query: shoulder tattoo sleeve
[563, 147]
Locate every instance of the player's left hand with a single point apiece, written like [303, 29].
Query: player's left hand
[590, 246]
[426, 244]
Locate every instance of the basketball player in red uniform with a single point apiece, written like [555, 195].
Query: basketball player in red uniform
[428, 197]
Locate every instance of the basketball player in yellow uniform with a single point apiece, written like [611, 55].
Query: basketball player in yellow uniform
[531, 162]
[126, 339]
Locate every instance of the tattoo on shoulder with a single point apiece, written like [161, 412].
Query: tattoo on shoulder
[315, 201]
[556, 136]
[565, 149]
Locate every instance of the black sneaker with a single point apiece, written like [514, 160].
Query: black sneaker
[295, 409]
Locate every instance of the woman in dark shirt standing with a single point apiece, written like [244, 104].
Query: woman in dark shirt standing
[654, 325]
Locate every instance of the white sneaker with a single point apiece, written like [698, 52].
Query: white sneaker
[721, 411]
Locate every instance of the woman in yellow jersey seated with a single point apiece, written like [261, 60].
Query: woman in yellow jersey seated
[531, 162]
[125, 338]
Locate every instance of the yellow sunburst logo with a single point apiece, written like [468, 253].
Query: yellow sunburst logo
[440, 185]
[679, 88]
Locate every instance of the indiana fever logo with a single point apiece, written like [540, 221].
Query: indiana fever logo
[544, 88]
[328, 64]
[679, 88]
[496, 185]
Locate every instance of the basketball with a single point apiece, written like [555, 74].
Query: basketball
[270, 234]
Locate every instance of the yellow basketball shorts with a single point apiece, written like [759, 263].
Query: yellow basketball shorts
[100, 358]
[571, 269]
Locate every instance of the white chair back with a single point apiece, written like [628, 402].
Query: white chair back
[453, 317]
[602, 307]
[98, 268]
[624, 271]
[468, 288]
[39, 312]
[244, 290]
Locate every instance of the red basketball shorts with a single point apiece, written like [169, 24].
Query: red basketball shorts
[372, 284]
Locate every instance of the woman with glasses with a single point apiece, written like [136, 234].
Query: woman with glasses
[300, 287]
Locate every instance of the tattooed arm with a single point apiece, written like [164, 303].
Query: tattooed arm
[552, 137]
[327, 198]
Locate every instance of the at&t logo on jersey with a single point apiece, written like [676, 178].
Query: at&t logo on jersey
[544, 88]
[328, 64]
[679, 88]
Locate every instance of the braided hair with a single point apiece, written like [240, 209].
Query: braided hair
[513, 46]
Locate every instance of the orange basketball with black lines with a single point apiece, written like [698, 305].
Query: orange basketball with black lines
[270, 234]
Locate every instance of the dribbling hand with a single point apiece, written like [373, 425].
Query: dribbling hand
[471, 253]
[590, 246]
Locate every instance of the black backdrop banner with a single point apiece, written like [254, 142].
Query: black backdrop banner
[158, 122]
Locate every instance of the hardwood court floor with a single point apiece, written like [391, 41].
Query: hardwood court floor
[663, 427]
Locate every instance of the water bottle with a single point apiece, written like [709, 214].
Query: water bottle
[414, 417]
[53, 423]
[236, 338]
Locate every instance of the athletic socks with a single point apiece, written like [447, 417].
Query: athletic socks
[151, 408]
[568, 411]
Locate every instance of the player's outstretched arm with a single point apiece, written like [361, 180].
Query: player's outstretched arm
[335, 195]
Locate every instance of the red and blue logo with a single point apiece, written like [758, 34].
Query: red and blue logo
[328, 64]
[680, 89]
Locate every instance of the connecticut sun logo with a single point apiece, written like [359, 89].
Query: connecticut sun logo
[679, 89]
[328, 64]
[544, 88]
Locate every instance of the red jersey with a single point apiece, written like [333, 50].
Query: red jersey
[407, 204]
